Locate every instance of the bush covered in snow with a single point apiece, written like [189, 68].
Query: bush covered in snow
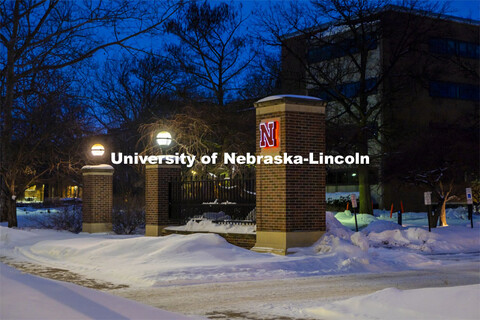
[337, 203]
[128, 221]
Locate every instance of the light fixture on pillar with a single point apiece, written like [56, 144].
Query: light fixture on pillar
[164, 139]
[97, 150]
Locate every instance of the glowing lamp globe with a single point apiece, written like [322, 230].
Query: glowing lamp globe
[164, 139]
[97, 150]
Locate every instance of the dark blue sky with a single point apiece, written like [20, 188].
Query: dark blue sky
[466, 9]
[462, 8]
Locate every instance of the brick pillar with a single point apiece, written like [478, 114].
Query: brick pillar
[291, 198]
[156, 196]
[97, 198]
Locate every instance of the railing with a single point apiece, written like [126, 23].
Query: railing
[195, 197]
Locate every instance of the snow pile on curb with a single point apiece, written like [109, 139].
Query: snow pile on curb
[428, 303]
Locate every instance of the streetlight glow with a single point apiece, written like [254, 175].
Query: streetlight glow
[164, 139]
[97, 150]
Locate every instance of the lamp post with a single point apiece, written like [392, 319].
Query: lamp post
[164, 139]
[97, 150]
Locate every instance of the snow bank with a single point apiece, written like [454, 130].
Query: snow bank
[428, 303]
[175, 259]
[210, 226]
[452, 239]
[141, 261]
[197, 258]
[381, 225]
[29, 297]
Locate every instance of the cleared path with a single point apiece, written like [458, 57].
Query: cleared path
[276, 299]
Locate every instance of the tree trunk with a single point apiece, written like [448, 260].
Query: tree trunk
[434, 218]
[3, 205]
[365, 199]
[437, 215]
[12, 213]
[443, 214]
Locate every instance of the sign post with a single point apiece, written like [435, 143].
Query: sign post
[470, 205]
[354, 207]
[427, 196]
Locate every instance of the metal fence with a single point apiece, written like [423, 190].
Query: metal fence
[210, 196]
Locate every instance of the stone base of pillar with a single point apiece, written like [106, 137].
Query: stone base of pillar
[279, 242]
[153, 230]
[96, 227]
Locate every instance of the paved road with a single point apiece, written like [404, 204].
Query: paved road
[269, 299]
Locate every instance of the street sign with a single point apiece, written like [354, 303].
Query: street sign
[469, 195]
[427, 196]
[354, 200]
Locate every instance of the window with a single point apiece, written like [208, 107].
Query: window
[339, 49]
[452, 90]
[454, 47]
[348, 90]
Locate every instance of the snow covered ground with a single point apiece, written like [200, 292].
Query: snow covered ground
[24, 296]
[140, 261]
[426, 303]
[149, 263]
[29, 217]
[290, 298]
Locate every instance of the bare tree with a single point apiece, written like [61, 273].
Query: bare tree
[201, 130]
[42, 36]
[445, 170]
[328, 49]
[212, 48]
[262, 77]
[133, 90]
[46, 139]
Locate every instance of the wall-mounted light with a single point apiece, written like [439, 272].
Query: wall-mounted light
[354, 174]
[97, 150]
[164, 139]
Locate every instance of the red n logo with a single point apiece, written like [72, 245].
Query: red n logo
[269, 134]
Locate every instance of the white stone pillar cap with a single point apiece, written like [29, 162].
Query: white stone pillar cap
[97, 169]
[290, 102]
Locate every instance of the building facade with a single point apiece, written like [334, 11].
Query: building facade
[413, 73]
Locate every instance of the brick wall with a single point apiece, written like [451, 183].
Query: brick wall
[97, 198]
[243, 240]
[156, 192]
[292, 197]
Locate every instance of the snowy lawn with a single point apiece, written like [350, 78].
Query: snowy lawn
[455, 217]
[29, 217]
[24, 296]
[144, 261]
